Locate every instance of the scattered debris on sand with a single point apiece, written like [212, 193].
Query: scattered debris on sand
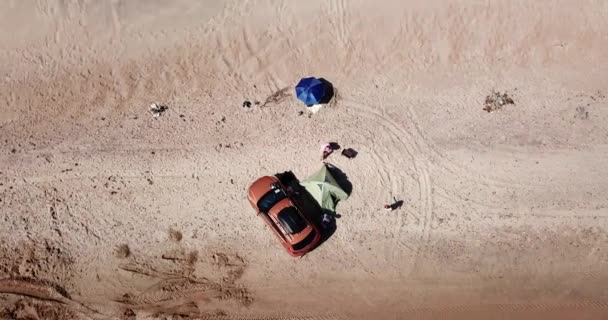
[277, 97]
[122, 251]
[234, 145]
[222, 120]
[156, 110]
[496, 101]
[175, 235]
[176, 289]
[129, 314]
[581, 113]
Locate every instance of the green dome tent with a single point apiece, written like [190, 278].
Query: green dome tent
[324, 188]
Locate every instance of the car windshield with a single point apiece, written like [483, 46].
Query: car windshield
[291, 220]
[270, 199]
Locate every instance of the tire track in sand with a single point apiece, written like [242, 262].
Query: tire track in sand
[442, 163]
[261, 56]
[472, 180]
[379, 156]
[507, 308]
[337, 13]
[47, 291]
[393, 55]
[275, 317]
[405, 143]
[337, 8]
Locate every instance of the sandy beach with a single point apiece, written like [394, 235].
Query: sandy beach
[110, 213]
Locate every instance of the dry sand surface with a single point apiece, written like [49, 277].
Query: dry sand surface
[109, 213]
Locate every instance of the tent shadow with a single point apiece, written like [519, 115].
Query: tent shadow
[341, 178]
[315, 213]
[329, 91]
[310, 206]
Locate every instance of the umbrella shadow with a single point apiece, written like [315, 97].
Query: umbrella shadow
[329, 91]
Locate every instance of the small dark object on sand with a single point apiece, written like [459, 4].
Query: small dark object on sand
[156, 110]
[496, 101]
[349, 153]
[581, 113]
[246, 104]
[393, 206]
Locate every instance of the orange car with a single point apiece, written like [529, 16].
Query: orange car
[273, 202]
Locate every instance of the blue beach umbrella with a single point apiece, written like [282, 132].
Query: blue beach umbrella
[310, 90]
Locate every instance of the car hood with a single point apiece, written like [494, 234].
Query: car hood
[259, 187]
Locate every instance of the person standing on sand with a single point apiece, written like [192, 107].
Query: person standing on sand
[326, 222]
[396, 204]
[326, 150]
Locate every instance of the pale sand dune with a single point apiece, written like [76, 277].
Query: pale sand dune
[504, 217]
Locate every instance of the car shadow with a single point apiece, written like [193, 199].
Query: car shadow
[311, 207]
[315, 213]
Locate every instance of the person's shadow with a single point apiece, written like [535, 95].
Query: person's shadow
[396, 205]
